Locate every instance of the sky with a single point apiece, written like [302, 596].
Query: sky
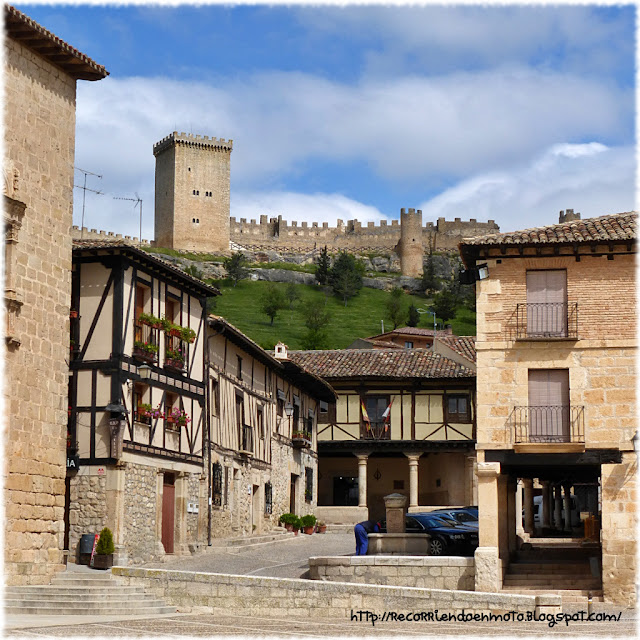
[509, 113]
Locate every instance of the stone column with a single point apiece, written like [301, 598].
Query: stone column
[528, 505]
[180, 544]
[413, 478]
[362, 479]
[115, 491]
[471, 484]
[546, 504]
[519, 527]
[487, 556]
[567, 506]
[512, 510]
[557, 512]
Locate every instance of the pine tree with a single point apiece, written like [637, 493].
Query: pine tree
[236, 267]
[429, 280]
[345, 277]
[323, 265]
[396, 310]
[414, 316]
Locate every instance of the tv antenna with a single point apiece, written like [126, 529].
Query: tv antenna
[137, 201]
[84, 194]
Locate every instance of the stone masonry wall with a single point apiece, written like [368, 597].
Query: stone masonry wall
[39, 139]
[194, 535]
[401, 571]
[88, 510]
[219, 594]
[140, 513]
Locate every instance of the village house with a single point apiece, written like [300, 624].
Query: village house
[137, 403]
[263, 422]
[40, 75]
[556, 350]
[404, 422]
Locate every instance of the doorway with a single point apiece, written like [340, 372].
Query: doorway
[255, 509]
[168, 511]
[292, 493]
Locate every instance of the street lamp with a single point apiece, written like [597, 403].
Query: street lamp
[288, 409]
[433, 313]
[144, 371]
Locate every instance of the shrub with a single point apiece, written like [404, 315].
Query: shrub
[288, 518]
[105, 543]
[308, 521]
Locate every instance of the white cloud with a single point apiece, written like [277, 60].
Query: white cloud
[590, 178]
[301, 207]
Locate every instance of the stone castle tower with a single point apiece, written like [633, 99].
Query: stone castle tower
[410, 246]
[192, 196]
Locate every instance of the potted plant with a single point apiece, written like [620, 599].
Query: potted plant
[321, 527]
[287, 520]
[103, 558]
[308, 523]
[178, 416]
[166, 325]
[145, 350]
[297, 524]
[187, 334]
[174, 358]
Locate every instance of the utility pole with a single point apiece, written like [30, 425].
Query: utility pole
[433, 313]
[84, 194]
[138, 201]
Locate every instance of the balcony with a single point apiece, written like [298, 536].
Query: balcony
[547, 321]
[176, 353]
[301, 439]
[145, 343]
[548, 425]
[375, 431]
[246, 440]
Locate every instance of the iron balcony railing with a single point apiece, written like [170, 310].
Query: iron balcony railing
[145, 342]
[375, 431]
[561, 423]
[547, 320]
[176, 353]
[246, 439]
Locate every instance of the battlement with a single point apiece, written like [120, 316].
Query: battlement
[83, 233]
[191, 140]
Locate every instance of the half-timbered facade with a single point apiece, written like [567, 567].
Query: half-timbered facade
[404, 422]
[263, 416]
[137, 420]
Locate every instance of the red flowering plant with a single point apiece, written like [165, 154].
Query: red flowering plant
[178, 416]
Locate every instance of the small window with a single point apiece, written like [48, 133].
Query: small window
[260, 425]
[215, 394]
[408, 345]
[458, 408]
[189, 168]
[268, 499]
[239, 372]
[323, 412]
[194, 192]
[308, 484]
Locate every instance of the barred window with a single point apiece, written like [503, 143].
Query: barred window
[268, 498]
[308, 484]
[217, 484]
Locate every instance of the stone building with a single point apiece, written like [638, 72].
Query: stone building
[404, 422]
[192, 203]
[40, 74]
[137, 394]
[263, 447]
[556, 351]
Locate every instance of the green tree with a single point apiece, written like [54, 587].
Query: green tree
[444, 304]
[316, 319]
[292, 294]
[105, 544]
[345, 277]
[323, 265]
[236, 267]
[396, 308]
[272, 301]
[414, 316]
[429, 280]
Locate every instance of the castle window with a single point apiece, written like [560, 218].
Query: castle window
[197, 193]
[194, 192]
[189, 168]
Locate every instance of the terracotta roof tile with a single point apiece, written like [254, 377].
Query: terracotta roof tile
[617, 226]
[464, 345]
[380, 363]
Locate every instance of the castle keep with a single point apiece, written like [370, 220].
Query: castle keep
[192, 204]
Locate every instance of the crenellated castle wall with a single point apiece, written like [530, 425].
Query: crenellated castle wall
[108, 236]
[352, 235]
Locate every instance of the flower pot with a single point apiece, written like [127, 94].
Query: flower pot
[309, 530]
[296, 531]
[174, 333]
[322, 529]
[288, 526]
[102, 561]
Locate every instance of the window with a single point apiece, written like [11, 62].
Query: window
[260, 422]
[376, 406]
[308, 484]
[323, 412]
[268, 499]
[171, 403]
[217, 484]
[408, 345]
[375, 417]
[549, 419]
[547, 303]
[458, 408]
[215, 394]
[239, 370]
[142, 403]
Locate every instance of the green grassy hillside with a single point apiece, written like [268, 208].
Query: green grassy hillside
[241, 306]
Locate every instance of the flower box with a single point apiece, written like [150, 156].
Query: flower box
[141, 354]
[178, 365]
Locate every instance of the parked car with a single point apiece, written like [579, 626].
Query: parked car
[467, 516]
[447, 536]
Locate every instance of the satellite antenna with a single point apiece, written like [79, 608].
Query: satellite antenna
[84, 194]
[137, 201]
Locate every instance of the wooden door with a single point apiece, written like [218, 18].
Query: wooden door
[168, 511]
[292, 494]
[549, 419]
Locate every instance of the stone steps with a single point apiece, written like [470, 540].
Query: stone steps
[544, 568]
[569, 595]
[556, 582]
[82, 593]
[224, 544]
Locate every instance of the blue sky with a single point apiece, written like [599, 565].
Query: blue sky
[510, 113]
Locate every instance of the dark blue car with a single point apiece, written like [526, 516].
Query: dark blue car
[467, 516]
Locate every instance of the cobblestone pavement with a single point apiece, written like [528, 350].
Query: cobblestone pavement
[287, 558]
[297, 627]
